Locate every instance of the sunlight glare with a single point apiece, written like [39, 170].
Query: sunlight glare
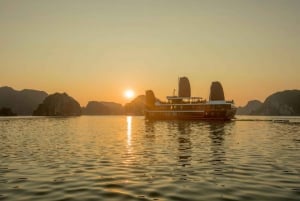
[128, 119]
[129, 94]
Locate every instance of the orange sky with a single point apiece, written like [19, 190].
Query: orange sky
[94, 50]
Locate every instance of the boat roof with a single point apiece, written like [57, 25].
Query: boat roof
[180, 98]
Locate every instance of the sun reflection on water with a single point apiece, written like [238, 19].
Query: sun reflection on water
[129, 121]
[129, 155]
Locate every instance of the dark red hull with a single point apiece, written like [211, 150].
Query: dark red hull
[190, 115]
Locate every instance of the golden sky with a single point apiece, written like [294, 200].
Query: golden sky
[94, 50]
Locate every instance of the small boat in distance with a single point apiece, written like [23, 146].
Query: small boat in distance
[185, 107]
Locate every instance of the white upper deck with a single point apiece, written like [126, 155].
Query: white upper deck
[176, 100]
[185, 99]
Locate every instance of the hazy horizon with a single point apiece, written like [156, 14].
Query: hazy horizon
[95, 50]
[126, 100]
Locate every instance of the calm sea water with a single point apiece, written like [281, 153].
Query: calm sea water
[128, 158]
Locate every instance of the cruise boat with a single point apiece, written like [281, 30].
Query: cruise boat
[185, 107]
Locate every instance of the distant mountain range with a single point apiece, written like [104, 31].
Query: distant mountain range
[26, 101]
[21, 102]
[135, 107]
[284, 103]
[250, 109]
[102, 108]
[34, 102]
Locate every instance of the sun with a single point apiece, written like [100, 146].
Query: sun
[129, 93]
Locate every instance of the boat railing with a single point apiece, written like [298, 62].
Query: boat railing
[185, 100]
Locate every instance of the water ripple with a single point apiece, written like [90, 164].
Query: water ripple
[116, 158]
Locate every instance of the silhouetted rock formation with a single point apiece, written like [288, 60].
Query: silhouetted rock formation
[136, 107]
[6, 112]
[103, 108]
[184, 88]
[58, 104]
[279, 104]
[21, 102]
[216, 92]
[251, 108]
[282, 103]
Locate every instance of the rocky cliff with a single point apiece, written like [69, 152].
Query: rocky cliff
[6, 112]
[103, 108]
[251, 108]
[21, 102]
[58, 104]
[284, 103]
[136, 107]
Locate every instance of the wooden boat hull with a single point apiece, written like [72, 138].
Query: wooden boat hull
[190, 115]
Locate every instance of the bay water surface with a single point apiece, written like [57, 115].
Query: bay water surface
[129, 158]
